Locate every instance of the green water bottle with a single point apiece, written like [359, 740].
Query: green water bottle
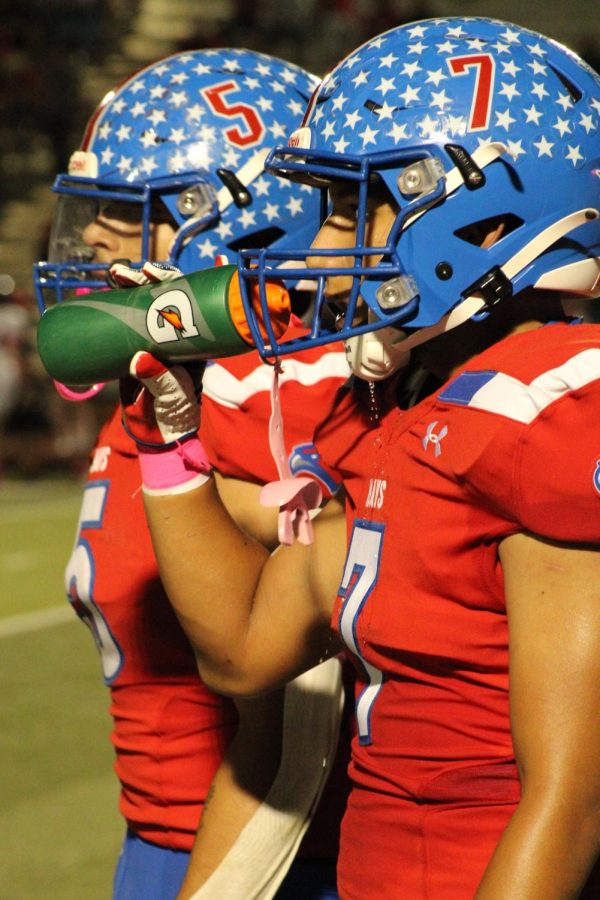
[199, 316]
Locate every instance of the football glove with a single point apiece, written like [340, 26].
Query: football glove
[121, 275]
[161, 407]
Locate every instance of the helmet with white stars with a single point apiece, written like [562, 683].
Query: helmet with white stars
[184, 140]
[465, 123]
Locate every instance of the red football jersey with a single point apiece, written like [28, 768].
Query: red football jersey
[236, 395]
[508, 445]
[170, 731]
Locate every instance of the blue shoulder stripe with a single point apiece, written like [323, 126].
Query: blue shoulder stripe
[463, 388]
[503, 395]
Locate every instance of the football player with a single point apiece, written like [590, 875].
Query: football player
[171, 168]
[461, 157]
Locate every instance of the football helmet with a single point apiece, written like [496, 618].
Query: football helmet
[184, 140]
[465, 123]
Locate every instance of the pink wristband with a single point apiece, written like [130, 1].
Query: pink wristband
[176, 470]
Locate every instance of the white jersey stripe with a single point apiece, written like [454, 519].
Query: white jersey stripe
[227, 390]
[509, 397]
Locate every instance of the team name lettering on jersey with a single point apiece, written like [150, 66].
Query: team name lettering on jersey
[100, 459]
[377, 487]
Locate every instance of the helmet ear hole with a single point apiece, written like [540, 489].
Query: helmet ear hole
[487, 232]
[160, 213]
[574, 92]
[262, 238]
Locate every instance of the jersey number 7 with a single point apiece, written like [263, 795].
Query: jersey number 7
[360, 577]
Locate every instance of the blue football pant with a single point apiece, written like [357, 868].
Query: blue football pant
[148, 872]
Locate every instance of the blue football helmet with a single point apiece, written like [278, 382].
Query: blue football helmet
[184, 140]
[465, 122]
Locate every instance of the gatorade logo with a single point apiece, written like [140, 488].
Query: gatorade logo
[170, 317]
[173, 318]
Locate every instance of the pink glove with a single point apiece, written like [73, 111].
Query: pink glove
[163, 416]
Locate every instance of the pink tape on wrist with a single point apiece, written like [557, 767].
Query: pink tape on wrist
[176, 470]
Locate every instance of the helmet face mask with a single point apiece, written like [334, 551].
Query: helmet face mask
[80, 202]
[72, 264]
[471, 124]
[183, 141]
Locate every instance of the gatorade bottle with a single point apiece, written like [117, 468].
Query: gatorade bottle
[199, 316]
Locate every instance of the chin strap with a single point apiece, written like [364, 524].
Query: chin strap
[546, 238]
[375, 355]
[295, 497]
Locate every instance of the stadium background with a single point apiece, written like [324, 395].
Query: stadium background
[58, 818]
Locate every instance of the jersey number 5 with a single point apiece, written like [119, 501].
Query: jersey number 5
[80, 576]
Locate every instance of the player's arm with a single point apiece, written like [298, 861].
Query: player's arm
[243, 822]
[240, 785]
[242, 502]
[252, 814]
[255, 620]
[553, 603]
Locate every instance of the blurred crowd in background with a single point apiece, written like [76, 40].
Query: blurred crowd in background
[57, 58]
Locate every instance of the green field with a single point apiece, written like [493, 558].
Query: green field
[59, 822]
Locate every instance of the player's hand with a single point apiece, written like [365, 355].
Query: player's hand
[160, 407]
[123, 276]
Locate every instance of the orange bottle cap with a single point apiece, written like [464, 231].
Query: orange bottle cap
[278, 302]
